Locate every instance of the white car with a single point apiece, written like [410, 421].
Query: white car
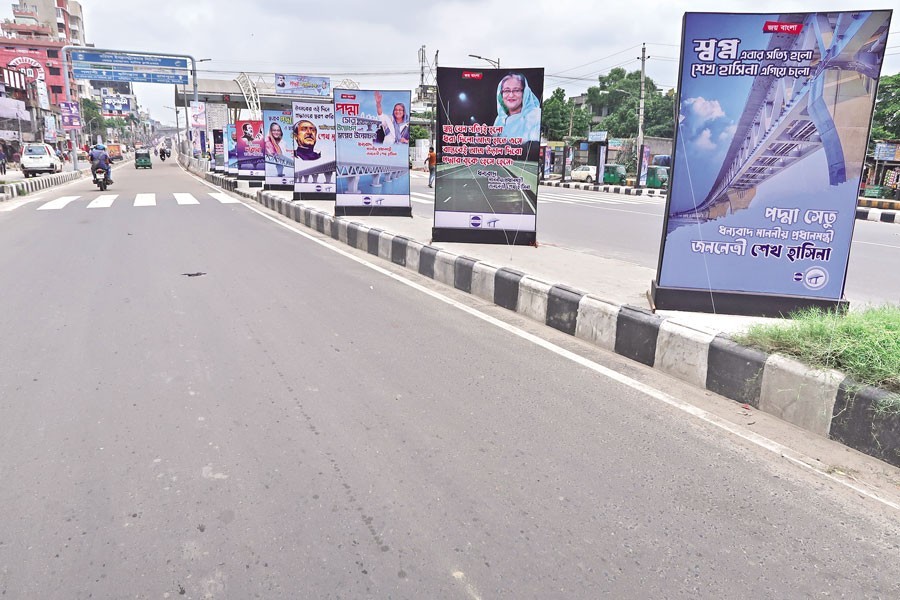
[39, 158]
[585, 173]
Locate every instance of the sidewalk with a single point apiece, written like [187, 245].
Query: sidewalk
[603, 301]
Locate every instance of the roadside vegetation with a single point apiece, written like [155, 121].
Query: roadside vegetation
[864, 345]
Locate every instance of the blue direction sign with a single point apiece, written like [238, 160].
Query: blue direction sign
[126, 74]
[118, 58]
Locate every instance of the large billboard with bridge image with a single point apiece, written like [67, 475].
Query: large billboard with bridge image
[488, 148]
[774, 117]
[372, 152]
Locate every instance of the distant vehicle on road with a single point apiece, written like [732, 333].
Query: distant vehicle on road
[39, 158]
[614, 174]
[142, 159]
[114, 151]
[657, 177]
[586, 173]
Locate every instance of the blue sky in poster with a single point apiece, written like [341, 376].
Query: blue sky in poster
[754, 242]
[710, 106]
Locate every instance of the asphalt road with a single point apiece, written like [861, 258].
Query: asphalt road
[199, 402]
[629, 228]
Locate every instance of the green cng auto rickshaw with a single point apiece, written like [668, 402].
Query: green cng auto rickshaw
[614, 174]
[657, 177]
[142, 159]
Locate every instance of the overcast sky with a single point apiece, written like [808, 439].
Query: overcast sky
[377, 44]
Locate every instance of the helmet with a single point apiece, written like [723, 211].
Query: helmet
[100, 147]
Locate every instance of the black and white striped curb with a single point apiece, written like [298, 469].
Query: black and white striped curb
[29, 186]
[615, 189]
[823, 402]
[878, 214]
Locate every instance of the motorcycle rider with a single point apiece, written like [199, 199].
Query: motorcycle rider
[100, 160]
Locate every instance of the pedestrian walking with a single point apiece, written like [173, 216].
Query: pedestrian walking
[431, 163]
[2, 161]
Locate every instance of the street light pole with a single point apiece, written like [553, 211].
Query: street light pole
[640, 138]
[494, 63]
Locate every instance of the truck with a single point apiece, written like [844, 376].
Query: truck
[114, 151]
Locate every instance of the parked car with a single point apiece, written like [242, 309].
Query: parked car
[39, 158]
[586, 173]
[614, 174]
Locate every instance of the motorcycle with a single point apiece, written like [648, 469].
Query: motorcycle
[163, 155]
[104, 181]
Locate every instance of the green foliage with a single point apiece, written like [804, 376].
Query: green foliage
[618, 95]
[865, 345]
[886, 122]
[417, 132]
[554, 116]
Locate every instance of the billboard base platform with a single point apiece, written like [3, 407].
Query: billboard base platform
[737, 303]
[314, 196]
[484, 236]
[370, 211]
[278, 187]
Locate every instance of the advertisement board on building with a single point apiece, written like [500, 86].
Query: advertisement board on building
[489, 132]
[43, 97]
[249, 150]
[50, 133]
[770, 145]
[115, 105]
[372, 152]
[70, 115]
[597, 136]
[302, 85]
[314, 153]
[278, 148]
[887, 151]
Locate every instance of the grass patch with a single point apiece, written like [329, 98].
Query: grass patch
[864, 345]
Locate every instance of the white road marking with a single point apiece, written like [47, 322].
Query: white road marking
[145, 200]
[792, 456]
[59, 203]
[104, 201]
[224, 198]
[428, 199]
[186, 199]
[470, 589]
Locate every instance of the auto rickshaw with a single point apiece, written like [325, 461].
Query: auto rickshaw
[614, 174]
[657, 177]
[142, 159]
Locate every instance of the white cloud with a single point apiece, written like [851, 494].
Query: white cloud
[727, 133]
[704, 141]
[704, 110]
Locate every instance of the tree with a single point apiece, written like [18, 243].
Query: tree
[417, 132]
[886, 121]
[555, 115]
[618, 95]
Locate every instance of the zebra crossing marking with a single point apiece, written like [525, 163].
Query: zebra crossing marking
[183, 199]
[58, 203]
[145, 200]
[104, 201]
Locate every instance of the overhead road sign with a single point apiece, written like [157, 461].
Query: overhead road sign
[118, 58]
[133, 76]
